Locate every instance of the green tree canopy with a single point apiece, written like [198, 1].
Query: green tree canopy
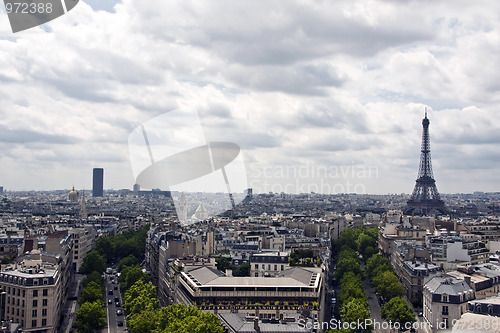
[104, 247]
[355, 310]
[139, 297]
[347, 253]
[90, 317]
[130, 275]
[93, 277]
[242, 270]
[222, 263]
[388, 285]
[348, 265]
[91, 293]
[348, 237]
[375, 264]
[145, 321]
[397, 310]
[129, 260]
[179, 318]
[364, 241]
[93, 261]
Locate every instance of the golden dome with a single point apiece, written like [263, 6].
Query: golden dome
[73, 196]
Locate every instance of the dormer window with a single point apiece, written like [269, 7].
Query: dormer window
[444, 298]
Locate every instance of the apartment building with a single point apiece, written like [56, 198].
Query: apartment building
[445, 300]
[267, 264]
[33, 292]
[83, 240]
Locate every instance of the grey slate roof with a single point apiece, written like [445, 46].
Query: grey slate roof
[447, 285]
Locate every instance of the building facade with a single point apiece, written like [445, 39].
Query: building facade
[445, 300]
[98, 182]
[33, 293]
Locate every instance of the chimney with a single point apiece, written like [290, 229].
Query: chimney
[229, 272]
[469, 282]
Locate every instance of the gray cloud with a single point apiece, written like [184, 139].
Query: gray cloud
[290, 82]
[27, 136]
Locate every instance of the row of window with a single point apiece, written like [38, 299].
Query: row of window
[17, 312]
[35, 302]
[24, 281]
[33, 322]
[269, 267]
[13, 291]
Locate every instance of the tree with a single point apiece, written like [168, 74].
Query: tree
[93, 292]
[104, 246]
[222, 263]
[90, 317]
[376, 263]
[388, 285]
[364, 241]
[355, 311]
[93, 277]
[350, 290]
[144, 321]
[348, 238]
[369, 252]
[347, 265]
[179, 318]
[130, 275]
[139, 297]
[130, 260]
[93, 261]
[242, 270]
[397, 310]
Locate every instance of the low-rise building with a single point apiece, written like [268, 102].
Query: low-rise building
[295, 290]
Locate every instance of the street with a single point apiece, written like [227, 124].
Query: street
[111, 308]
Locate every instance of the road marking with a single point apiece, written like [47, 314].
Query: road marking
[107, 311]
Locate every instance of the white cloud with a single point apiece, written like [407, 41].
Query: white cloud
[329, 83]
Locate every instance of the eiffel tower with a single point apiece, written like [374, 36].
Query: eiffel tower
[425, 199]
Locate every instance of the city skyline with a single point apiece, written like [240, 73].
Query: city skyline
[330, 89]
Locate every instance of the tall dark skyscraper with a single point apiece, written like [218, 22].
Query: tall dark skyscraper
[425, 198]
[98, 182]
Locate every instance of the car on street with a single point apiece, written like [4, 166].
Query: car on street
[117, 304]
[110, 292]
[119, 312]
[110, 301]
[120, 323]
[115, 287]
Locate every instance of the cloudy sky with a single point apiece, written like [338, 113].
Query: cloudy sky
[324, 96]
